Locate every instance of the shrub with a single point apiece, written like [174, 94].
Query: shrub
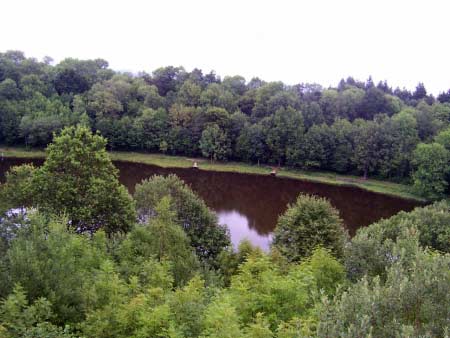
[198, 221]
[310, 222]
[414, 301]
[371, 250]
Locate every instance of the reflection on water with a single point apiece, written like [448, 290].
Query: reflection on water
[240, 229]
[250, 204]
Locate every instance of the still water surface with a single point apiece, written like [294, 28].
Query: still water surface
[250, 204]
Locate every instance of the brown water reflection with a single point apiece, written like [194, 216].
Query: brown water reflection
[250, 204]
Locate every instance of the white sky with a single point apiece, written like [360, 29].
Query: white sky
[322, 41]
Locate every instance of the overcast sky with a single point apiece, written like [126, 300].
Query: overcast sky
[322, 41]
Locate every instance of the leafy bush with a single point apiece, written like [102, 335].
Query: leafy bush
[432, 167]
[310, 222]
[414, 301]
[16, 192]
[198, 221]
[262, 286]
[19, 318]
[161, 239]
[49, 261]
[371, 250]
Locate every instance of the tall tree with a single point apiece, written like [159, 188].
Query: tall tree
[432, 167]
[250, 145]
[367, 146]
[214, 143]
[285, 127]
[79, 180]
[420, 92]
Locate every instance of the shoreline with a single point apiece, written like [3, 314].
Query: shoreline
[170, 161]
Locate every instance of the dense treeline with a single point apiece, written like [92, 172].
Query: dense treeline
[79, 257]
[358, 127]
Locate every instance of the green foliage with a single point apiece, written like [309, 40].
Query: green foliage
[432, 222]
[428, 124]
[20, 319]
[327, 271]
[142, 315]
[443, 138]
[188, 306]
[371, 251]
[79, 180]
[164, 240]
[216, 95]
[151, 128]
[172, 110]
[367, 151]
[59, 281]
[135, 259]
[76, 76]
[47, 116]
[214, 144]
[310, 222]
[9, 90]
[76, 180]
[189, 93]
[221, 320]
[284, 128]
[17, 315]
[11, 112]
[121, 309]
[315, 149]
[47, 330]
[342, 132]
[263, 286]
[70, 285]
[297, 328]
[413, 300]
[48, 261]
[259, 329]
[250, 145]
[432, 168]
[184, 134]
[400, 132]
[16, 192]
[206, 236]
[230, 259]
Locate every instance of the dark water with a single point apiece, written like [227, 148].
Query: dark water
[250, 204]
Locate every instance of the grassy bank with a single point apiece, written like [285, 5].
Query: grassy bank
[167, 161]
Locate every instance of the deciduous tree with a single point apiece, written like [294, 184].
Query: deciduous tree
[310, 222]
[198, 221]
[79, 180]
[214, 143]
[432, 167]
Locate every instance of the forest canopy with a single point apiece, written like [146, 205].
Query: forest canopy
[357, 127]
